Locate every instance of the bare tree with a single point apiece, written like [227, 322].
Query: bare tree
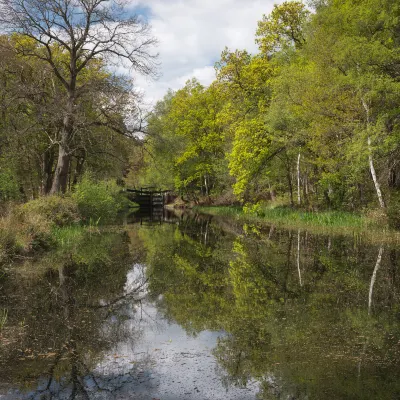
[69, 35]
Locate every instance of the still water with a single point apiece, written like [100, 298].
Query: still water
[190, 307]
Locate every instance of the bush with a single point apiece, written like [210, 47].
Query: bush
[254, 209]
[23, 233]
[98, 201]
[9, 189]
[60, 211]
[393, 210]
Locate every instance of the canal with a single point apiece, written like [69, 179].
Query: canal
[193, 307]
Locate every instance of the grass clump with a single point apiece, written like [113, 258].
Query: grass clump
[56, 210]
[8, 239]
[29, 227]
[67, 236]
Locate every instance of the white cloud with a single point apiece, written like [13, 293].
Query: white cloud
[192, 35]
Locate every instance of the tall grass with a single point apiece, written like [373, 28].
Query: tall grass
[68, 235]
[292, 217]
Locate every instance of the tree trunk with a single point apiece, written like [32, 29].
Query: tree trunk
[48, 162]
[374, 178]
[305, 188]
[394, 174]
[79, 168]
[289, 178]
[60, 180]
[370, 159]
[298, 181]
[206, 185]
[327, 198]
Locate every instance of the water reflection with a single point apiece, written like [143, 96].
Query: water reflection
[307, 316]
[189, 307]
[63, 319]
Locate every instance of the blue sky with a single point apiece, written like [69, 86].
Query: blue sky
[192, 35]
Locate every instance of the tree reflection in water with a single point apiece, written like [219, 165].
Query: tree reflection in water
[67, 321]
[307, 316]
[304, 316]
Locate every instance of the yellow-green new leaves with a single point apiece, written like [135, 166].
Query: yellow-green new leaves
[311, 113]
[194, 115]
[187, 133]
[283, 27]
[251, 146]
[246, 82]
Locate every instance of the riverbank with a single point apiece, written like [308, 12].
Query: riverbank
[334, 222]
[49, 222]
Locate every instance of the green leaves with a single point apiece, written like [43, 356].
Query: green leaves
[304, 94]
[283, 28]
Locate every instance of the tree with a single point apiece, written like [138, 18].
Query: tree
[283, 27]
[70, 35]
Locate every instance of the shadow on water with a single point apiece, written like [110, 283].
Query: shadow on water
[181, 306]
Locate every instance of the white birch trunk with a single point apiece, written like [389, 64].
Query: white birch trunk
[206, 184]
[373, 173]
[373, 279]
[298, 181]
[371, 161]
[298, 257]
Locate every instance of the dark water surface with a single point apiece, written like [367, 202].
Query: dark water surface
[190, 307]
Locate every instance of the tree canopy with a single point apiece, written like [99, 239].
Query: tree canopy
[313, 115]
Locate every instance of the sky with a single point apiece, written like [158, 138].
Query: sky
[192, 35]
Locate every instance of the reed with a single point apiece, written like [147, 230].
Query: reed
[298, 218]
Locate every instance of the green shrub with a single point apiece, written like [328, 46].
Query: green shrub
[98, 201]
[9, 188]
[60, 211]
[393, 210]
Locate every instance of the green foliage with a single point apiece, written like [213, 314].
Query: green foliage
[283, 27]
[308, 120]
[33, 103]
[393, 211]
[98, 202]
[9, 187]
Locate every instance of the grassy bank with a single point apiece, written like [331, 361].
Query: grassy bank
[54, 221]
[332, 221]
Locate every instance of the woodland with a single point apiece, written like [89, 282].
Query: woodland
[311, 120]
